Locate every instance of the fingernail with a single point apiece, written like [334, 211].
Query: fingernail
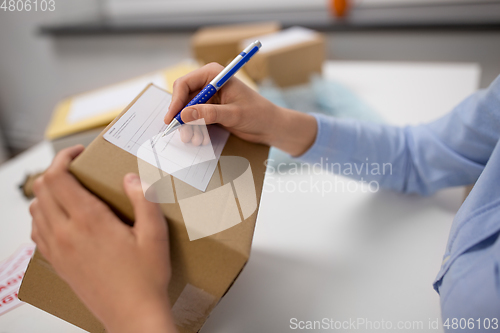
[194, 114]
[132, 178]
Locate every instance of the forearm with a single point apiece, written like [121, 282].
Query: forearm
[363, 151]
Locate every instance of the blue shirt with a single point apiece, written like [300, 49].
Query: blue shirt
[458, 149]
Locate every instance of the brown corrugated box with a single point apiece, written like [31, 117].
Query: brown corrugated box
[222, 43]
[203, 270]
[291, 64]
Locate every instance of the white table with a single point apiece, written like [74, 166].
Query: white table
[342, 255]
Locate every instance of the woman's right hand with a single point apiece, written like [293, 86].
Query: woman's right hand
[242, 111]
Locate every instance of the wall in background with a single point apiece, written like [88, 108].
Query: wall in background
[37, 71]
[143, 8]
[135, 8]
[29, 72]
[27, 77]
[480, 47]
[4, 155]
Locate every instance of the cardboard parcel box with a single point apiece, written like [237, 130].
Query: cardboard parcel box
[203, 269]
[288, 57]
[222, 43]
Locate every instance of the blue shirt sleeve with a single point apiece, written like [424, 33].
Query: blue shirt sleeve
[450, 151]
[470, 289]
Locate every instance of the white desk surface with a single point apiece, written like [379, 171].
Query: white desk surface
[342, 255]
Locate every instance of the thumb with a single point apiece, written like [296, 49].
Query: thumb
[149, 220]
[212, 114]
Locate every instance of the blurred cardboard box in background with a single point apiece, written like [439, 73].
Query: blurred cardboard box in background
[222, 43]
[288, 57]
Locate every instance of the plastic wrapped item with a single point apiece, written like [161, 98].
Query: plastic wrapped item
[319, 96]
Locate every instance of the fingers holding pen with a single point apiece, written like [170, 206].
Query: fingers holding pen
[186, 87]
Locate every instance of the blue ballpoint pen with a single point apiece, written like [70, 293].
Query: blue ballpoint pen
[214, 85]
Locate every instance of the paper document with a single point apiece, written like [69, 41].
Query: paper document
[143, 122]
[107, 99]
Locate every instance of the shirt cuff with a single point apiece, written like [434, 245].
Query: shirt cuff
[332, 138]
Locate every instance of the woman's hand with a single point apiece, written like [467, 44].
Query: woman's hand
[242, 111]
[121, 273]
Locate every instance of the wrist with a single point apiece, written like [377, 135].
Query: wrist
[293, 132]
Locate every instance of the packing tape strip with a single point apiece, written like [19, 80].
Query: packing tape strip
[192, 308]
